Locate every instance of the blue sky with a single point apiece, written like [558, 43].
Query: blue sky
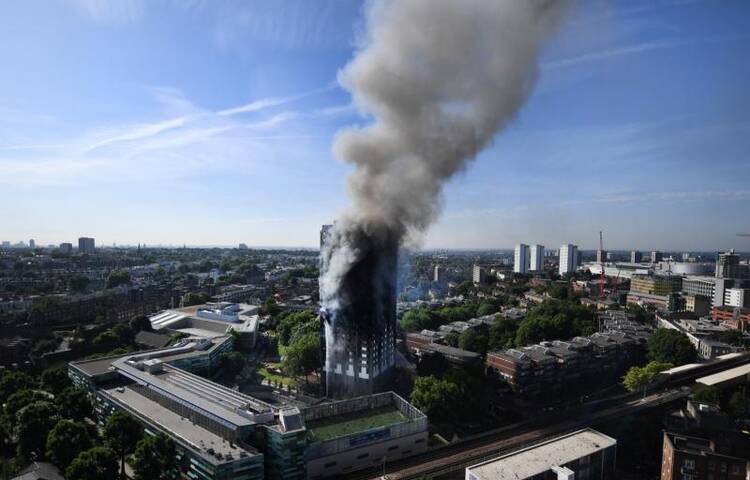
[211, 122]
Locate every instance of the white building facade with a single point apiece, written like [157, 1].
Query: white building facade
[537, 258]
[568, 258]
[521, 258]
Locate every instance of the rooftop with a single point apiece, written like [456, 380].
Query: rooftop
[233, 407]
[197, 438]
[328, 428]
[726, 375]
[530, 461]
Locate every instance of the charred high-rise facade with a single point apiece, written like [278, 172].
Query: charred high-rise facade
[360, 322]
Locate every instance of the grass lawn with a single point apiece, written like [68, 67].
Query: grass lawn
[339, 426]
[274, 377]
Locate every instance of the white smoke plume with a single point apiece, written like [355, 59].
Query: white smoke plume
[440, 78]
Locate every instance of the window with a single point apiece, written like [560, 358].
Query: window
[406, 452]
[419, 440]
[329, 465]
[688, 464]
[364, 455]
[392, 447]
[735, 469]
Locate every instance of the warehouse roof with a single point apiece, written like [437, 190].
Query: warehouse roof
[531, 461]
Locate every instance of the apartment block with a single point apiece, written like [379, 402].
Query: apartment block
[694, 458]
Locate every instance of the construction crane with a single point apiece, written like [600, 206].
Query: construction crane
[601, 264]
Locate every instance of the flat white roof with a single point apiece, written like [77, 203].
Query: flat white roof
[726, 375]
[530, 461]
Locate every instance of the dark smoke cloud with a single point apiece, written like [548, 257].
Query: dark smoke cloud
[440, 78]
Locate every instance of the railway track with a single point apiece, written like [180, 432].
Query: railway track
[483, 446]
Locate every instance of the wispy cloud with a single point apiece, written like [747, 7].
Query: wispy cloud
[607, 54]
[639, 197]
[110, 11]
[264, 103]
[194, 142]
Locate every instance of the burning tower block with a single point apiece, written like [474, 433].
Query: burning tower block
[360, 320]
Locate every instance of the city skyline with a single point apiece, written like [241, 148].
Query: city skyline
[141, 149]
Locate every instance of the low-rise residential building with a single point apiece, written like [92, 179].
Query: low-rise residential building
[735, 318]
[419, 344]
[700, 459]
[583, 454]
[553, 366]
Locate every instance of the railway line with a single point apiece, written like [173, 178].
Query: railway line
[474, 449]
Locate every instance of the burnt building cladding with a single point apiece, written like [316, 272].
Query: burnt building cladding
[360, 327]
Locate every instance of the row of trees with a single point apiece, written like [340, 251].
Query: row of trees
[48, 420]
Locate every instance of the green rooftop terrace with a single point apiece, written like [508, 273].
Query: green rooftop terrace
[341, 425]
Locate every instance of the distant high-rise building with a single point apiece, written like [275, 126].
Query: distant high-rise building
[685, 257]
[478, 274]
[243, 246]
[601, 256]
[66, 247]
[635, 256]
[521, 258]
[656, 256]
[6, 244]
[727, 265]
[86, 245]
[32, 244]
[438, 274]
[568, 259]
[737, 297]
[537, 258]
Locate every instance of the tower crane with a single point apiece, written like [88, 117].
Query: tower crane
[601, 264]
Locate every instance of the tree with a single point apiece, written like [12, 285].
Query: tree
[55, 380]
[66, 441]
[296, 324]
[195, 298]
[503, 333]
[141, 323]
[93, 464]
[22, 398]
[452, 339]
[435, 397]
[707, 395]
[739, 404]
[641, 377]
[232, 363]
[74, 403]
[117, 278]
[125, 334]
[488, 307]
[303, 356]
[78, 284]
[11, 382]
[417, 319]
[671, 346]
[154, 458]
[473, 340]
[121, 433]
[44, 346]
[106, 341]
[33, 424]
